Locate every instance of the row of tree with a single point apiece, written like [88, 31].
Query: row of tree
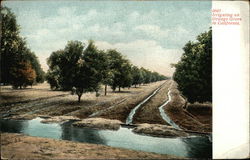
[85, 68]
[19, 65]
[194, 71]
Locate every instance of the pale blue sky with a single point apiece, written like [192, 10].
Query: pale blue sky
[150, 34]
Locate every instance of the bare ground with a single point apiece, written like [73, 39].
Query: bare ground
[182, 117]
[122, 110]
[149, 113]
[159, 130]
[98, 123]
[203, 112]
[17, 146]
[40, 100]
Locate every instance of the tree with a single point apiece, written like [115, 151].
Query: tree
[147, 76]
[22, 75]
[121, 69]
[52, 78]
[137, 76]
[30, 56]
[106, 71]
[96, 65]
[65, 67]
[84, 69]
[9, 43]
[78, 68]
[14, 50]
[194, 71]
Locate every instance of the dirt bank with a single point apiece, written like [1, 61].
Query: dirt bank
[122, 110]
[159, 130]
[60, 119]
[99, 123]
[203, 112]
[17, 146]
[40, 100]
[149, 112]
[180, 116]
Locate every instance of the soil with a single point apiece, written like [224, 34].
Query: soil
[99, 123]
[182, 117]
[41, 101]
[159, 130]
[60, 119]
[59, 106]
[18, 146]
[122, 110]
[203, 112]
[149, 113]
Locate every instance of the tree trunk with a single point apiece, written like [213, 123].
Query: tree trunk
[135, 85]
[79, 98]
[105, 90]
[119, 89]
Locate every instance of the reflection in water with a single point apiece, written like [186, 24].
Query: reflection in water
[194, 147]
[81, 134]
[13, 126]
[198, 147]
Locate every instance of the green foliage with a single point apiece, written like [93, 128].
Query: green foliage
[121, 70]
[84, 70]
[137, 76]
[149, 77]
[52, 78]
[14, 50]
[77, 68]
[194, 71]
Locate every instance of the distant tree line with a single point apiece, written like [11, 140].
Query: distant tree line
[19, 65]
[84, 68]
[194, 71]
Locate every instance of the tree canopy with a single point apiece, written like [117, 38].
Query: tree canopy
[22, 75]
[77, 66]
[84, 68]
[194, 71]
[14, 52]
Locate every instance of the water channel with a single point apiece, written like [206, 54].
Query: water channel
[130, 117]
[192, 147]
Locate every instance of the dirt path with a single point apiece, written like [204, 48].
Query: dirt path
[17, 146]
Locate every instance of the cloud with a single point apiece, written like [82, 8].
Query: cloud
[144, 34]
[153, 31]
[146, 53]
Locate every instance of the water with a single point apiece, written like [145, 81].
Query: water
[193, 147]
[164, 115]
[130, 117]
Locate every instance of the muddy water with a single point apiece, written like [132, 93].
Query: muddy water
[123, 138]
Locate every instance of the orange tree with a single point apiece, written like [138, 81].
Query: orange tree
[14, 50]
[194, 71]
[22, 75]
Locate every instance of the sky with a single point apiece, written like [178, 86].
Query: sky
[151, 34]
